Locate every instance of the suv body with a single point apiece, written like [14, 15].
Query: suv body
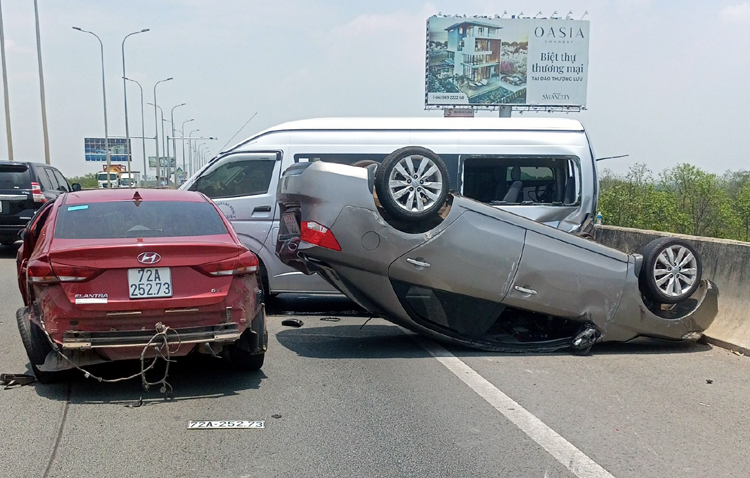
[548, 165]
[24, 188]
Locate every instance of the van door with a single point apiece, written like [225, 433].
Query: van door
[243, 185]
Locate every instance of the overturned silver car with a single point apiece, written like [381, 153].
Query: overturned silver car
[394, 239]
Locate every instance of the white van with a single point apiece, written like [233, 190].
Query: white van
[540, 168]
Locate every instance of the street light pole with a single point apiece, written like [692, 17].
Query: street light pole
[174, 143]
[182, 139]
[125, 94]
[41, 84]
[143, 131]
[190, 149]
[200, 154]
[5, 87]
[156, 134]
[104, 95]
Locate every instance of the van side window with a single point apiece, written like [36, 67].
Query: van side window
[237, 178]
[521, 179]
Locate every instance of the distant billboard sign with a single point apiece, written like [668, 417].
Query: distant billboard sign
[483, 62]
[95, 149]
[164, 162]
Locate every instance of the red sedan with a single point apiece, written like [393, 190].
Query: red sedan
[102, 273]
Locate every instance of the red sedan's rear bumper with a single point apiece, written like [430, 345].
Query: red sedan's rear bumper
[122, 335]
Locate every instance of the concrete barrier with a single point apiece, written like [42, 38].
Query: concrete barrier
[725, 262]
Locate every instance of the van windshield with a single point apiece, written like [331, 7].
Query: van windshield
[103, 176]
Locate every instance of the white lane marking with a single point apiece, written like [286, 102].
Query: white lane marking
[563, 451]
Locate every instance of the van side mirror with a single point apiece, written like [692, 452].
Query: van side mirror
[22, 233]
[76, 187]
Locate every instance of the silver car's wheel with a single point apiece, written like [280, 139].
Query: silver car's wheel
[412, 183]
[672, 270]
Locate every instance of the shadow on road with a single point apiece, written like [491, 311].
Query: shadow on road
[192, 377]
[388, 341]
[297, 304]
[9, 252]
[346, 341]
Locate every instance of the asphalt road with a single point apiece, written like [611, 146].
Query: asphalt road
[342, 399]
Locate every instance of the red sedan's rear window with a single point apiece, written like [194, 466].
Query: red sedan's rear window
[122, 219]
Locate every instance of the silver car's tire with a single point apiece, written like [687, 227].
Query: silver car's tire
[412, 183]
[671, 270]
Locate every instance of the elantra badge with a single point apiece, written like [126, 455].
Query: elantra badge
[148, 257]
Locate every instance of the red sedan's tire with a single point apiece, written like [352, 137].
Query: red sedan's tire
[671, 271]
[36, 344]
[412, 183]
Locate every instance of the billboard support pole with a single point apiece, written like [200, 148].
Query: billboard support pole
[505, 111]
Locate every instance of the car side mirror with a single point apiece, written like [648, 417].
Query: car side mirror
[22, 233]
[76, 186]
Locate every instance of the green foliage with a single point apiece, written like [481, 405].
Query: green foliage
[683, 199]
[86, 182]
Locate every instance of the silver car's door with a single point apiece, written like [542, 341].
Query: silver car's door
[458, 278]
[567, 276]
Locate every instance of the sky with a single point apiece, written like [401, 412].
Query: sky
[667, 84]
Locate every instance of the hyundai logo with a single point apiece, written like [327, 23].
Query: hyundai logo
[148, 257]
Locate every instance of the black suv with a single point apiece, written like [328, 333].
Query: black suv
[24, 187]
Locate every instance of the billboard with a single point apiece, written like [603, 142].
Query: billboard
[483, 62]
[164, 162]
[95, 151]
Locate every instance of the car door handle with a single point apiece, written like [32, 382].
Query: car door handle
[417, 262]
[524, 290]
[262, 209]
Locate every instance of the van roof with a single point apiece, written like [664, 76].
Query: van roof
[423, 123]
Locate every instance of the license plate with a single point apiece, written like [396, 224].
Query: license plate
[290, 221]
[150, 282]
[209, 424]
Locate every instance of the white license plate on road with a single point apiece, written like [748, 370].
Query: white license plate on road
[150, 282]
[208, 424]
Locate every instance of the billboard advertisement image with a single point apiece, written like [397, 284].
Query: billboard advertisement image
[483, 62]
[95, 151]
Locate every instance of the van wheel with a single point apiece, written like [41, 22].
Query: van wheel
[412, 183]
[671, 271]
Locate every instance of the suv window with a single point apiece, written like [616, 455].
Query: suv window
[44, 181]
[52, 179]
[14, 176]
[237, 178]
[61, 181]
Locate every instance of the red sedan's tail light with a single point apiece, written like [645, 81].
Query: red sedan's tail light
[246, 263]
[36, 193]
[40, 272]
[319, 235]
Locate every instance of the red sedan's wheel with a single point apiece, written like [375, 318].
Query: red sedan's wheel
[36, 344]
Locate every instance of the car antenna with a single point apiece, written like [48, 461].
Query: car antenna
[613, 157]
[238, 131]
[137, 199]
